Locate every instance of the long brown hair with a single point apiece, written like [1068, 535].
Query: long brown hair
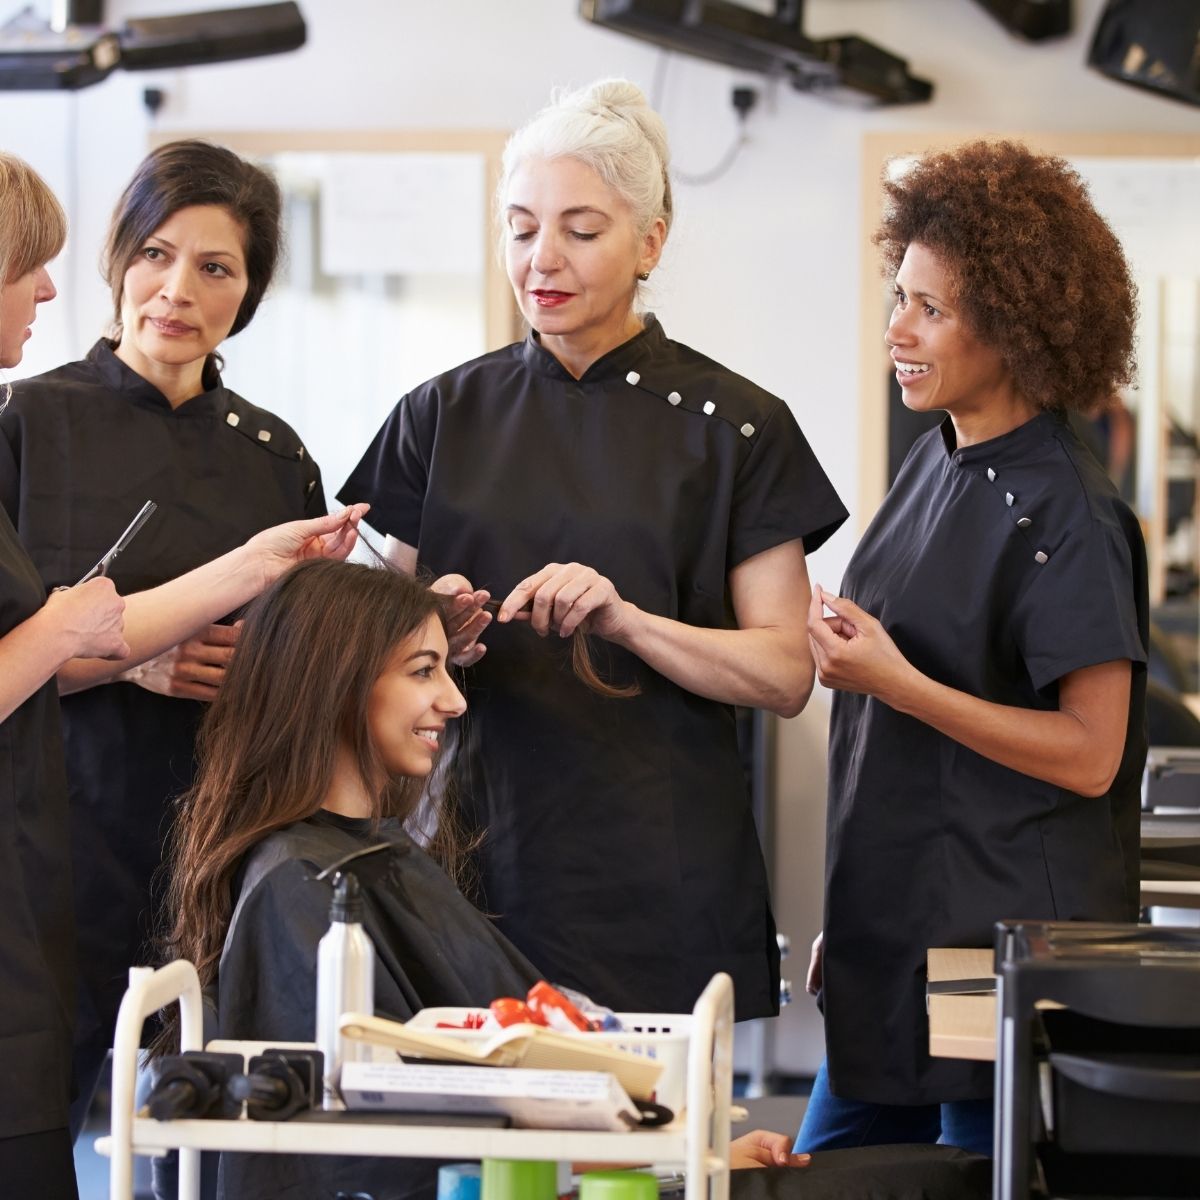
[312, 647]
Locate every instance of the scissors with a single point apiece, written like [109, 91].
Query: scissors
[101, 568]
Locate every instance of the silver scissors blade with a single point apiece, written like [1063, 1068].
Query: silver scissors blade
[101, 568]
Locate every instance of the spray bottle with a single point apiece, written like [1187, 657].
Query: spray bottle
[345, 983]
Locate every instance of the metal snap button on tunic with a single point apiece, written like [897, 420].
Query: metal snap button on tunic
[1041, 556]
[991, 475]
[673, 397]
[747, 430]
[233, 419]
[633, 378]
[1009, 498]
[1023, 522]
[709, 408]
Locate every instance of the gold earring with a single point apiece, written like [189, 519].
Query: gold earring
[643, 275]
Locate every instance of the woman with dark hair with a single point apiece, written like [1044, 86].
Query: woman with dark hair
[77, 636]
[315, 754]
[989, 645]
[191, 249]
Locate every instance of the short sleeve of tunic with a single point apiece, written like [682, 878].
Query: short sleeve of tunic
[1079, 608]
[781, 492]
[394, 471]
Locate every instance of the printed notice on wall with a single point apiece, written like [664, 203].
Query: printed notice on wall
[1152, 204]
[402, 214]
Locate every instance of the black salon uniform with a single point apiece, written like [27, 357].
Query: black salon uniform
[997, 568]
[83, 447]
[432, 948]
[37, 982]
[620, 850]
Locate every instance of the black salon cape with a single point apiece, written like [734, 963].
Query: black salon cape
[620, 849]
[37, 981]
[929, 843]
[872, 1173]
[83, 448]
[432, 948]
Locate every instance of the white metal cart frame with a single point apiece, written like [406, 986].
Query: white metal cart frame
[697, 1141]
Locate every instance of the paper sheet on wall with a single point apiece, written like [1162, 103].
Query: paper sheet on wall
[402, 214]
[1152, 204]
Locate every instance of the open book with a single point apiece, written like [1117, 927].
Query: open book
[529, 1046]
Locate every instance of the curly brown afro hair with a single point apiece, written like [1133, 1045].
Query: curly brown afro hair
[1038, 274]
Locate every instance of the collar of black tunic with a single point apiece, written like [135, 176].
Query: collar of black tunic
[122, 378]
[1016, 446]
[616, 364]
[359, 826]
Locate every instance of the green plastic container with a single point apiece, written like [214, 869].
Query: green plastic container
[618, 1185]
[514, 1179]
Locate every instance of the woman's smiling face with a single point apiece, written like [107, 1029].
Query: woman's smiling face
[412, 701]
[940, 363]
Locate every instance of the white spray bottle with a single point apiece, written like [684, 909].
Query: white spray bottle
[345, 983]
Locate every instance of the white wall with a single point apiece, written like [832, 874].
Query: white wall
[762, 272]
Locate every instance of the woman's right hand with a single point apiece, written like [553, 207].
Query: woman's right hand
[91, 619]
[762, 1148]
[812, 984]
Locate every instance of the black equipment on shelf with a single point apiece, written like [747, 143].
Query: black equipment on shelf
[193, 1085]
[1098, 1073]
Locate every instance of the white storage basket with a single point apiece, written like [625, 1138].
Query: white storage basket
[662, 1037]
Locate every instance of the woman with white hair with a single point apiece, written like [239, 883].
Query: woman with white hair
[602, 477]
[73, 638]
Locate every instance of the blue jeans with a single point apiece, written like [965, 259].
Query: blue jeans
[831, 1123]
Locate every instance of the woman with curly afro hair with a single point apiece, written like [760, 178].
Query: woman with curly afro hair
[988, 648]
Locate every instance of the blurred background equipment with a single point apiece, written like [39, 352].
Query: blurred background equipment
[1032, 19]
[847, 69]
[75, 49]
[1151, 44]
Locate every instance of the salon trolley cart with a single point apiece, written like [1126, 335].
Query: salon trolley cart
[696, 1141]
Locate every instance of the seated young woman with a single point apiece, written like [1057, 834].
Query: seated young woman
[314, 755]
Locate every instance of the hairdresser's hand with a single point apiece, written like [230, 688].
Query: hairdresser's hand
[466, 618]
[561, 598]
[194, 669]
[812, 984]
[283, 546]
[852, 650]
[90, 618]
[762, 1148]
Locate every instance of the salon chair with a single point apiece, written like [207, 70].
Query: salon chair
[1098, 1065]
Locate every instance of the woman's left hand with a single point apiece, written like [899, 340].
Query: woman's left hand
[563, 597]
[466, 618]
[193, 670]
[762, 1148]
[852, 650]
[283, 546]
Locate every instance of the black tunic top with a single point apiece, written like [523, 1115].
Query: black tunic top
[36, 929]
[432, 948]
[930, 843]
[620, 850]
[83, 447]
